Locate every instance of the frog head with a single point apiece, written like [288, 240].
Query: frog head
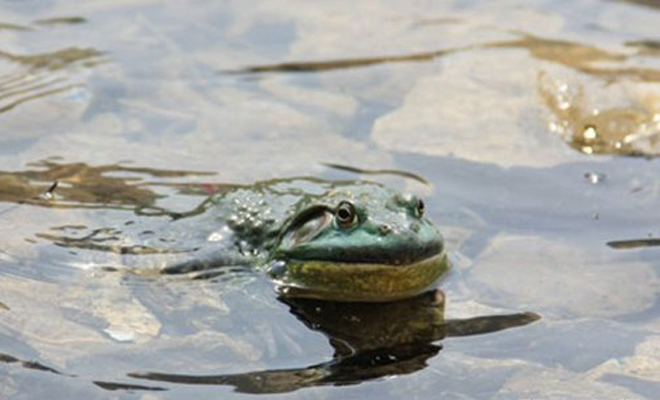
[358, 242]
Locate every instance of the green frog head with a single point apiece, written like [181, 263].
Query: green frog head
[357, 242]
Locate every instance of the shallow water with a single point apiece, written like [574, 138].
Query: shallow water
[535, 124]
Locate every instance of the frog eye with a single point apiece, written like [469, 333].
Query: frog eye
[420, 208]
[345, 214]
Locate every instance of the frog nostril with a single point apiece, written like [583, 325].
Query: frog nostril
[414, 227]
[384, 229]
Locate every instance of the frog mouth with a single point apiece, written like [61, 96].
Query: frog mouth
[403, 255]
[359, 281]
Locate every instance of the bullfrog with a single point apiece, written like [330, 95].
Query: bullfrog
[352, 260]
[332, 240]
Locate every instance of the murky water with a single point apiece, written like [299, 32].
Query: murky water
[535, 124]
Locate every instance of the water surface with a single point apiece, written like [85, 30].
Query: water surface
[534, 124]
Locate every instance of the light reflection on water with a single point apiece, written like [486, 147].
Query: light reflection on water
[140, 110]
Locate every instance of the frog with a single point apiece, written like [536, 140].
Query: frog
[332, 240]
[341, 240]
[353, 260]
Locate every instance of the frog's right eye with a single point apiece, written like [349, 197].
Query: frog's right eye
[345, 214]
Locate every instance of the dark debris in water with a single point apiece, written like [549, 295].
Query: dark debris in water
[112, 386]
[346, 63]
[8, 359]
[646, 3]
[61, 21]
[13, 27]
[633, 243]
[396, 172]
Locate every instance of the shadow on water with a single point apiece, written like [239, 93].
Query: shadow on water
[370, 340]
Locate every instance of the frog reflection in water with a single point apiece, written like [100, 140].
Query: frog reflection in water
[371, 340]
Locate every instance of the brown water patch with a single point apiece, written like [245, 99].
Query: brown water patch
[646, 47]
[59, 59]
[581, 57]
[86, 186]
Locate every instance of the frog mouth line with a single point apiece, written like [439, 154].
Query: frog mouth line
[368, 254]
[354, 281]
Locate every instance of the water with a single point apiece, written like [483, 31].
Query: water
[536, 125]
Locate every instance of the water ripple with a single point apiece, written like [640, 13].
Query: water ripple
[41, 75]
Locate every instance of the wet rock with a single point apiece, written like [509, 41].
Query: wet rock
[39, 321]
[559, 383]
[116, 310]
[336, 104]
[558, 278]
[225, 131]
[644, 364]
[475, 108]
